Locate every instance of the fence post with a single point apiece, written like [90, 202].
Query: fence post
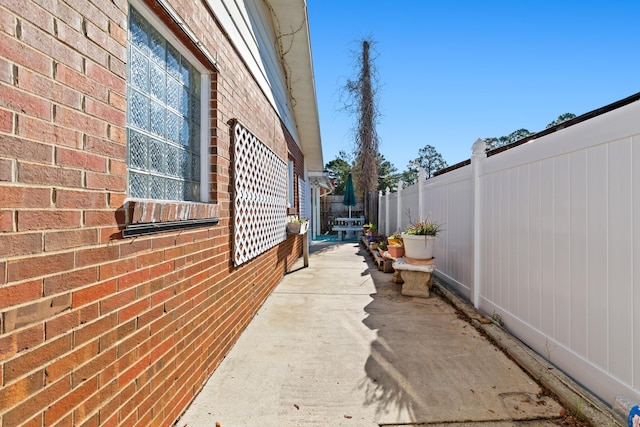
[479, 154]
[399, 207]
[387, 223]
[380, 211]
[421, 179]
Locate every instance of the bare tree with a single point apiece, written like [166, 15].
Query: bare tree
[362, 102]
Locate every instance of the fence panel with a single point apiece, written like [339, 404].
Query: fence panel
[393, 212]
[559, 217]
[448, 199]
[409, 210]
[558, 227]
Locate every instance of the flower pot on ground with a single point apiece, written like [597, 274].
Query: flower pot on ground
[371, 232]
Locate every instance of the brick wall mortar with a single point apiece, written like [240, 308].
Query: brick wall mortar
[117, 330]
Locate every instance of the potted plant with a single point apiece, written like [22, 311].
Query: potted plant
[372, 233]
[297, 225]
[375, 241]
[395, 245]
[395, 239]
[419, 239]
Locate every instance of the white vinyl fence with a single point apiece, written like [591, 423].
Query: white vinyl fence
[547, 236]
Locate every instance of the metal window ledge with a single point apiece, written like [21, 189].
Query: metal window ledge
[159, 227]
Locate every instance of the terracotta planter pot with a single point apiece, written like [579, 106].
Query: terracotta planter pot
[396, 251]
[418, 247]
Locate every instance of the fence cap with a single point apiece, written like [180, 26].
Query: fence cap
[479, 147]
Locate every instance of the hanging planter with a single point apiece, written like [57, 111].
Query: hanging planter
[297, 226]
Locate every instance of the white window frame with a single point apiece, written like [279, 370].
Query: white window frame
[205, 96]
[291, 198]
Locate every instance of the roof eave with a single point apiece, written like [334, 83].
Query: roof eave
[295, 41]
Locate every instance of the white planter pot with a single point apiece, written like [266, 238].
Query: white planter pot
[418, 247]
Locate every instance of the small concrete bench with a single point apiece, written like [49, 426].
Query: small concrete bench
[348, 228]
[417, 279]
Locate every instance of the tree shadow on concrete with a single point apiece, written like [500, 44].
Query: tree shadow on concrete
[428, 364]
[401, 383]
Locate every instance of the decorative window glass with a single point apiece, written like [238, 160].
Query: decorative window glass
[163, 117]
[290, 189]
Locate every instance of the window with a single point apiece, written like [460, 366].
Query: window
[165, 120]
[291, 201]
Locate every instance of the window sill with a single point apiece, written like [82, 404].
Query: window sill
[146, 216]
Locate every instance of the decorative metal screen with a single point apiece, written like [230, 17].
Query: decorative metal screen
[260, 204]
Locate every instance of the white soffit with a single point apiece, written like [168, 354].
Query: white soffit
[291, 21]
[291, 16]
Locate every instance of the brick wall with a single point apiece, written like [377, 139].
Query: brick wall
[97, 329]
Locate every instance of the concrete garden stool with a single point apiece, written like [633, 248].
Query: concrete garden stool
[416, 277]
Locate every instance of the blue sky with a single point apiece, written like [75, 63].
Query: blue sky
[453, 71]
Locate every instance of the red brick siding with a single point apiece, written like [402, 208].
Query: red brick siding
[97, 330]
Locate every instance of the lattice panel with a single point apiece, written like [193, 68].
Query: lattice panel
[260, 204]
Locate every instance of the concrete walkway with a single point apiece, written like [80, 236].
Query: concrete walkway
[337, 344]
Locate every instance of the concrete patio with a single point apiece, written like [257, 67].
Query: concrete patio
[337, 344]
